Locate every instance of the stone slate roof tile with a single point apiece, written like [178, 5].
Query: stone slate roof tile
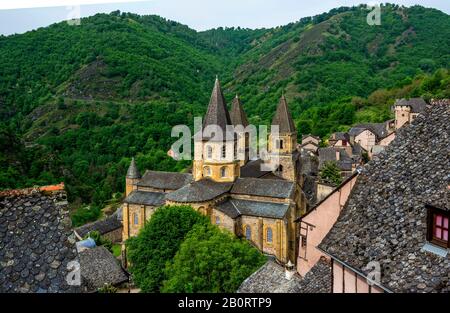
[217, 113]
[99, 267]
[133, 171]
[236, 207]
[271, 278]
[275, 188]
[379, 129]
[385, 218]
[146, 198]
[253, 169]
[199, 191]
[36, 243]
[417, 105]
[103, 226]
[328, 154]
[164, 180]
[237, 114]
[283, 117]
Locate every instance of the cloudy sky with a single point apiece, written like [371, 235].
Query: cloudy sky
[198, 14]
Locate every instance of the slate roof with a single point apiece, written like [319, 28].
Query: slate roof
[237, 207]
[253, 169]
[309, 135]
[237, 114]
[283, 117]
[103, 226]
[379, 129]
[99, 267]
[217, 113]
[133, 171]
[164, 180]
[270, 278]
[385, 218]
[36, 242]
[339, 136]
[146, 198]
[328, 154]
[275, 188]
[199, 191]
[417, 105]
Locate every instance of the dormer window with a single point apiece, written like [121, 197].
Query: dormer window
[438, 226]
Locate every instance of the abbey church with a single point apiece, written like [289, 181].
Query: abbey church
[235, 193]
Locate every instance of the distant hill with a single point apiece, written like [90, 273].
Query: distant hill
[76, 102]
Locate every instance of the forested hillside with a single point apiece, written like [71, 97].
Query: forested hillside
[77, 102]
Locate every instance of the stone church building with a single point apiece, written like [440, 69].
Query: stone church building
[236, 194]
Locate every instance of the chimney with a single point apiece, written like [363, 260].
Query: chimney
[290, 270]
[338, 155]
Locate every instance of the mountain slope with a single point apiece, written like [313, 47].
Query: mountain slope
[77, 102]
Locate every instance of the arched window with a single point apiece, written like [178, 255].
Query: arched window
[248, 232]
[209, 152]
[269, 235]
[207, 171]
[136, 219]
[223, 172]
[217, 220]
[224, 151]
[280, 169]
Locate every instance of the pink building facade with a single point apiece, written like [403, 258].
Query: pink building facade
[315, 225]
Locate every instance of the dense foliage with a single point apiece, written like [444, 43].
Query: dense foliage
[331, 174]
[211, 260]
[157, 244]
[77, 102]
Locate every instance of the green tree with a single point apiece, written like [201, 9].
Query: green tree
[211, 260]
[157, 244]
[331, 174]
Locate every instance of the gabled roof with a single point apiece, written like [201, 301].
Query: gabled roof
[339, 136]
[36, 242]
[99, 267]
[283, 117]
[274, 188]
[271, 278]
[378, 129]
[199, 191]
[146, 198]
[385, 217]
[328, 154]
[217, 113]
[237, 114]
[253, 169]
[237, 207]
[133, 171]
[417, 105]
[103, 226]
[164, 180]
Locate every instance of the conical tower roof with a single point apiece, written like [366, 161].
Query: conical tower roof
[283, 117]
[133, 171]
[217, 113]
[237, 114]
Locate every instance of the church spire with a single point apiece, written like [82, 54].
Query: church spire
[237, 113]
[133, 171]
[217, 113]
[283, 117]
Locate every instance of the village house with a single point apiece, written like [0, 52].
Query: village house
[310, 143]
[392, 234]
[406, 110]
[260, 205]
[109, 228]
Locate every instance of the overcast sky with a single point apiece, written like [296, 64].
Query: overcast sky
[198, 14]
